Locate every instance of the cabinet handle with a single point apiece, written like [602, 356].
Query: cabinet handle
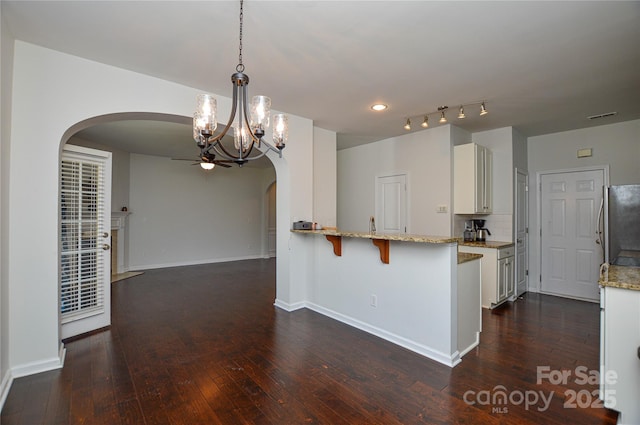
[639, 352]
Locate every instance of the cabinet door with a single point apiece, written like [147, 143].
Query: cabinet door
[510, 275]
[483, 179]
[503, 276]
[488, 182]
[479, 180]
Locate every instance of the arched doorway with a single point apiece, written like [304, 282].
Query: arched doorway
[178, 214]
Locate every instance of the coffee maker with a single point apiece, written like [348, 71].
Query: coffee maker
[469, 231]
[481, 231]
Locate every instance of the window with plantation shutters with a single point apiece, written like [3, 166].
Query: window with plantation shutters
[84, 237]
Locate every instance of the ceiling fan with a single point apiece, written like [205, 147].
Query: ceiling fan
[207, 161]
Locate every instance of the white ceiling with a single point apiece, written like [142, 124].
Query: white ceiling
[541, 67]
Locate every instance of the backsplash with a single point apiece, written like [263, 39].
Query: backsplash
[500, 226]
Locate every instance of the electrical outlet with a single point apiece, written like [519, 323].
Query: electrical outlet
[441, 209]
[374, 300]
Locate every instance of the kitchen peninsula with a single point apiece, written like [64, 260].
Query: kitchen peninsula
[407, 289]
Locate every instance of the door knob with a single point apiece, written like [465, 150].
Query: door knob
[106, 247]
[519, 240]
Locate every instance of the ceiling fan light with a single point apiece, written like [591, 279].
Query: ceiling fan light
[207, 165]
[483, 109]
[407, 125]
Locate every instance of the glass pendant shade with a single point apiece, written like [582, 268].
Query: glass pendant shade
[260, 113]
[204, 119]
[241, 138]
[280, 130]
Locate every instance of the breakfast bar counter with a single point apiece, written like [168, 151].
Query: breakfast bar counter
[409, 294]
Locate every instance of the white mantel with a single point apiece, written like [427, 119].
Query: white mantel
[119, 224]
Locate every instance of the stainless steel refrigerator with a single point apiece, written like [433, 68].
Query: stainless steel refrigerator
[620, 221]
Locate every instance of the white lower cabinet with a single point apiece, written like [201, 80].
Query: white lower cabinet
[620, 352]
[498, 275]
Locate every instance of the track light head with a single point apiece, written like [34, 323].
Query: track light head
[483, 109]
[461, 115]
[407, 126]
[425, 122]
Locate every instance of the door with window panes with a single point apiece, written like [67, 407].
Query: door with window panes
[85, 240]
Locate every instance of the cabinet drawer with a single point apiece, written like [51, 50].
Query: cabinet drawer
[506, 252]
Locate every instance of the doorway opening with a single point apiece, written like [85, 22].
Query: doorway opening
[570, 255]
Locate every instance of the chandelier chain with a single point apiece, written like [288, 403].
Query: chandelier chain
[240, 67]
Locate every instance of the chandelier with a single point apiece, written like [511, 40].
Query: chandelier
[249, 121]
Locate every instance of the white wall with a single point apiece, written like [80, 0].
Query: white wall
[324, 177]
[426, 158]
[183, 215]
[615, 145]
[73, 92]
[6, 76]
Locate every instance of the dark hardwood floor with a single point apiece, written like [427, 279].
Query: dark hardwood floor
[205, 345]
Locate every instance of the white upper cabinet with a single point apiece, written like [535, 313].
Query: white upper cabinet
[472, 182]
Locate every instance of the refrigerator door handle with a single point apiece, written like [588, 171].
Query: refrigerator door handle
[599, 227]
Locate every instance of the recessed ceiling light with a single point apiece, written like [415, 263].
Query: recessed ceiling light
[379, 107]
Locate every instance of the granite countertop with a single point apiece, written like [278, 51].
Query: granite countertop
[487, 244]
[624, 277]
[464, 257]
[389, 237]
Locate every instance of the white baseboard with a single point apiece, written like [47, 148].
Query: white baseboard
[7, 380]
[447, 360]
[40, 366]
[289, 307]
[29, 369]
[472, 346]
[141, 267]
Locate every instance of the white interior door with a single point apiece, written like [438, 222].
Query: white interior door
[391, 204]
[85, 224]
[522, 233]
[570, 255]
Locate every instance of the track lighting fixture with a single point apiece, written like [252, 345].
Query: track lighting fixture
[443, 119]
[442, 112]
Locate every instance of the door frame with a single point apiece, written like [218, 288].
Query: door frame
[525, 173]
[376, 207]
[538, 230]
[92, 320]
